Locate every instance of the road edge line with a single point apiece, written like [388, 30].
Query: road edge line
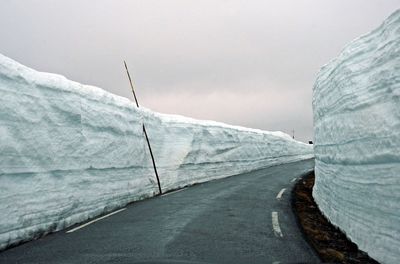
[95, 220]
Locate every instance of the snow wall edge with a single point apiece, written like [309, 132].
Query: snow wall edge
[356, 106]
[70, 152]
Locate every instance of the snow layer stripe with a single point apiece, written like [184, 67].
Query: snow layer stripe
[356, 105]
[70, 152]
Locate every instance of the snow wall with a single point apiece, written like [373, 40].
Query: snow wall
[69, 152]
[356, 103]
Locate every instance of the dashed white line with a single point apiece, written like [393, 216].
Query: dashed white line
[279, 196]
[293, 180]
[275, 225]
[95, 220]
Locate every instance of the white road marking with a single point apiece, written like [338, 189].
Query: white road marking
[294, 179]
[275, 225]
[95, 220]
[279, 196]
[165, 194]
[276, 262]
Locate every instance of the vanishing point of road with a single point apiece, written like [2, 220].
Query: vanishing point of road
[241, 219]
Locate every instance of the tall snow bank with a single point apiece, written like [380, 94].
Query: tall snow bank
[356, 103]
[69, 152]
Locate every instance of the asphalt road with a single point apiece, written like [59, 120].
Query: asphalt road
[224, 221]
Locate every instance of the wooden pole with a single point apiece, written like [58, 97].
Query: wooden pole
[130, 82]
[145, 132]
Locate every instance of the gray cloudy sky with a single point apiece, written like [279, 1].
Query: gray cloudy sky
[249, 63]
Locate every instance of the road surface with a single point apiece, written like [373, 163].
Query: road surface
[242, 219]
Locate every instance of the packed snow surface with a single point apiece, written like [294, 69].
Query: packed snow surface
[69, 152]
[356, 103]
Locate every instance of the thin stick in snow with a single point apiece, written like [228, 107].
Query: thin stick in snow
[145, 132]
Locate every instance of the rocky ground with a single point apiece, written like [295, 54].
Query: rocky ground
[329, 242]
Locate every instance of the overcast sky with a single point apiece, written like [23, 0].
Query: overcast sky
[248, 63]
